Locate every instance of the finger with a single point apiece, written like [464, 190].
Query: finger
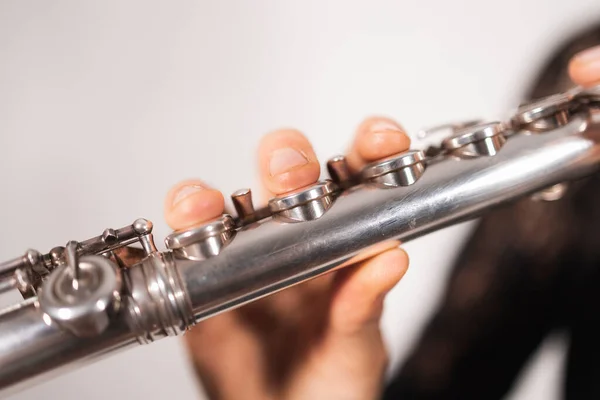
[360, 290]
[222, 346]
[192, 202]
[584, 67]
[352, 341]
[287, 161]
[376, 137]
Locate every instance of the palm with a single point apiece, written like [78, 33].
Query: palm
[275, 335]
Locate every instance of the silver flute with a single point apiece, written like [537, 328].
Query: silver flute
[90, 299]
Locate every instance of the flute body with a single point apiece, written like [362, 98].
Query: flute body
[84, 301]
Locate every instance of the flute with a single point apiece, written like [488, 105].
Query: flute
[92, 298]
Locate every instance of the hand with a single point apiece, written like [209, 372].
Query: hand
[318, 340]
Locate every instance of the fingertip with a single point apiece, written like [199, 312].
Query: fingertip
[287, 161]
[192, 202]
[584, 67]
[377, 137]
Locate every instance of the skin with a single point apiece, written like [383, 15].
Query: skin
[320, 339]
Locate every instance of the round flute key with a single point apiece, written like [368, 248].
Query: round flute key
[399, 170]
[87, 307]
[430, 139]
[203, 241]
[546, 113]
[304, 204]
[478, 140]
[473, 134]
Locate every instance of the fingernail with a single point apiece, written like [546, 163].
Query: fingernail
[283, 160]
[185, 192]
[385, 138]
[590, 55]
[384, 126]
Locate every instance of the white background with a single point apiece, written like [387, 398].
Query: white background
[105, 105]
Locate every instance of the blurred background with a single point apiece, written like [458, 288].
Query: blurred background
[105, 105]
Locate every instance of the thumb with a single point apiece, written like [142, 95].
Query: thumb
[351, 356]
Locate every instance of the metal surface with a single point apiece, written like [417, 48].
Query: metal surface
[229, 262]
[24, 273]
[399, 170]
[546, 113]
[430, 139]
[305, 204]
[242, 201]
[30, 259]
[477, 140]
[445, 130]
[339, 171]
[33, 346]
[83, 299]
[157, 305]
[590, 96]
[542, 108]
[203, 241]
